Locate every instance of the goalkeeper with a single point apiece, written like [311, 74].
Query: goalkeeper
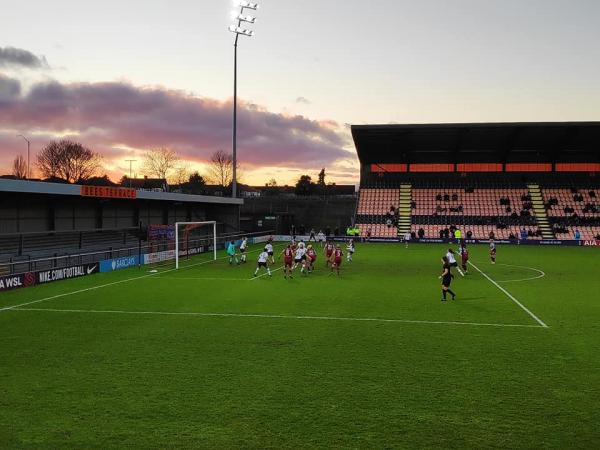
[231, 253]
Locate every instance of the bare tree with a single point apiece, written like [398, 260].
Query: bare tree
[220, 169]
[68, 160]
[20, 167]
[180, 176]
[160, 162]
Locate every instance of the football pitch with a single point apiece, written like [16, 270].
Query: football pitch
[209, 357]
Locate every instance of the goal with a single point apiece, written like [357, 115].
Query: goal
[195, 237]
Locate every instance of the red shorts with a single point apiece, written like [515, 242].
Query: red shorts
[288, 262]
[312, 258]
[465, 259]
[329, 254]
[337, 262]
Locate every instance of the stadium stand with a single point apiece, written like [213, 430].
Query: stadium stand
[512, 181]
[571, 208]
[62, 223]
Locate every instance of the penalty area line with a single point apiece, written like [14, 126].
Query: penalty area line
[278, 316]
[510, 296]
[264, 274]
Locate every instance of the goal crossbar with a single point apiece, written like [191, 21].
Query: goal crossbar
[179, 224]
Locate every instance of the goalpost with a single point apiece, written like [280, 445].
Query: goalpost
[183, 242]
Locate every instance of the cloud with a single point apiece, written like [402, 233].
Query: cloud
[10, 89]
[112, 115]
[303, 100]
[11, 57]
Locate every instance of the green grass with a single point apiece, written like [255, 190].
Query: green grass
[112, 380]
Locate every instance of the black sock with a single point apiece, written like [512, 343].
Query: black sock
[452, 293]
[444, 294]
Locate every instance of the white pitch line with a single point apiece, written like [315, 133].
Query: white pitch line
[264, 274]
[541, 273]
[65, 294]
[276, 316]
[200, 278]
[509, 295]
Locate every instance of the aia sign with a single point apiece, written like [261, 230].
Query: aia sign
[592, 243]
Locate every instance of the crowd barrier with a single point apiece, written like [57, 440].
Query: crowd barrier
[27, 279]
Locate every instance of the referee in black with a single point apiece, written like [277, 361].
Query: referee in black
[446, 278]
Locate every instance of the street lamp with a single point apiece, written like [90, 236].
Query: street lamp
[28, 145]
[240, 17]
[130, 161]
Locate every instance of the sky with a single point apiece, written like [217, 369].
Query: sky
[123, 77]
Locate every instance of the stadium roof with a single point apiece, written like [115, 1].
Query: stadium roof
[36, 187]
[478, 142]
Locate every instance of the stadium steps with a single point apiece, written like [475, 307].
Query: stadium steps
[404, 209]
[541, 215]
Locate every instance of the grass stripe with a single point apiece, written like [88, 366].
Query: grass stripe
[509, 295]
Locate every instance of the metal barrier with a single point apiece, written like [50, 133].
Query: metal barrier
[16, 265]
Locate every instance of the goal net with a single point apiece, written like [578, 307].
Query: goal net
[189, 244]
[192, 238]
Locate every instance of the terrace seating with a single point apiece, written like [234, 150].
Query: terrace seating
[458, 202]
[478, 231]
[377, 230]
[587, 233]
[572, 208]
[566, 202]
[494, 207]
[377, 201]
[42, 245]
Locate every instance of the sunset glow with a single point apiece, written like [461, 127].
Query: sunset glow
[128, 77]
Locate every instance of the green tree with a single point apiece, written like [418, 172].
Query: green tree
[321, 182]
[304, 185]
[196, 183]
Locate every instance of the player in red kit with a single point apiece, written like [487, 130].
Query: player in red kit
[312, 257]
[464, 256]
[288, 260]
[336, 259]
[329, 248]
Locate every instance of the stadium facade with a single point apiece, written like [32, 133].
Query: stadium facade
[66, 227]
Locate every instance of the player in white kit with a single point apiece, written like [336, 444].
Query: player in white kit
[263, 261]
[269, 250]
[452, 260]
[243, 248]
[350, 249]
[300, 257]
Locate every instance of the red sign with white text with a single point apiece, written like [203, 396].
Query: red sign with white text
[108, 192]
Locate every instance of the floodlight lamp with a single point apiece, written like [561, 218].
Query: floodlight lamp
[249, 5]
[239, 30]
[248, 19]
